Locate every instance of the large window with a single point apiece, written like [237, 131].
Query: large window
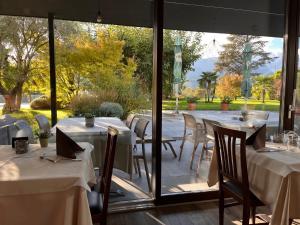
[215, 71]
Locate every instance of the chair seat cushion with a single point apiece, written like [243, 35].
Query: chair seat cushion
[238, 192]
[95, 202]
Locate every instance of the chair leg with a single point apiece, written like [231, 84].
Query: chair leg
[146, 168]
[193, 154]
[181, 148]
[221, 208]
[253, 215]
[164, 144]
[200, 158]
[246, 214]
[135, 166]
[172, 149]
[138, 167]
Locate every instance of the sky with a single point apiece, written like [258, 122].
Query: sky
[274, 45]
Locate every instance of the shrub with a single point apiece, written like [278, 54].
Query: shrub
[111, 109]
[84, 104]
[42, 102]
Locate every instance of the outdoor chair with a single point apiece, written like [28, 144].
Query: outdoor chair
[7, 119]
[140, 130]
[194, 132]
[255, 115]
[98, 201]
[209, 133]
[43, 123]
[129, 120]
[230, 183]
[24, 130]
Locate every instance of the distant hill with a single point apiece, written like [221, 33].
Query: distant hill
[208, 65]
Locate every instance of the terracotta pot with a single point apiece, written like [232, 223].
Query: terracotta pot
[44, 142]
[224, 106]
[192, 106]
[89, 122]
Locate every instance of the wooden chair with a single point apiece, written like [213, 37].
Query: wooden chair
[98, 201]
[43, 123]
[140, 130]
[230, 183]
[194, 132]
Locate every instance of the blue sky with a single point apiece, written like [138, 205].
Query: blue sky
[274, 45]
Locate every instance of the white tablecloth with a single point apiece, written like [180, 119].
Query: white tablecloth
[274, 177]
[76, 129]
[36, 191]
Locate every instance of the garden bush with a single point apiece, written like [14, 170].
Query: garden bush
[111, 109]
[86, 103]
[42, 102]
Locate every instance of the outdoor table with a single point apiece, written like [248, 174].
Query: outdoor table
[231, 120]
[274, 177]
[76, 129]
[37, 191]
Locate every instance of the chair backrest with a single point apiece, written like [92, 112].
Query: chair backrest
[4, 137]
[140, 127]
[7, 119]
[226, 143]
[43, 123]
[208, 126]
[24, 130]
[105, 181]
[189, 121]
[129, 120]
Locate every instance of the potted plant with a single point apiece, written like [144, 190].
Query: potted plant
[192, 103]
[225, 103]
[43, 137]
[89, 120]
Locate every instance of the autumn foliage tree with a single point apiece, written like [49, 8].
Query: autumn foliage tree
[229, 85]
[21, 40]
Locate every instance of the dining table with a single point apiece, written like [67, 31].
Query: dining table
[274, 177]
[39, 187]
[234, 120]
[76, 129]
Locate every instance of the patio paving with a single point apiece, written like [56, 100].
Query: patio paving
[176, 175]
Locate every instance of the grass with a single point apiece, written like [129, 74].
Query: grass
[269, 105]
[28, 115]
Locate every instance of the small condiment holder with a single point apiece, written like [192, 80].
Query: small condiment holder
[21, 146]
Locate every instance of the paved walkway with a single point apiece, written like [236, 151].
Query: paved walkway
[173, 124]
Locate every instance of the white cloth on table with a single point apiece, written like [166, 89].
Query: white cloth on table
[36, 191]
[76, 129]
[274, 177]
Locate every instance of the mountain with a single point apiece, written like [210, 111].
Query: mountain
[208, 65]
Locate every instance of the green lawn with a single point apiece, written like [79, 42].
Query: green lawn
[269, 105]
[28, 114]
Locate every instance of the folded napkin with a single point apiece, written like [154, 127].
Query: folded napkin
[65, 146]
[258, 138]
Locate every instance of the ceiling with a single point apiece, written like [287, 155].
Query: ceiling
[255, 17]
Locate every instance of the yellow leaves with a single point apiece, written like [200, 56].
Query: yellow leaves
[229, 85]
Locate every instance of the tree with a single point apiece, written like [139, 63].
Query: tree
[231, 57]
[21, 40]
[208, 82]
[229, 86]
[138, 44]
[86, 61]
[262, 86]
